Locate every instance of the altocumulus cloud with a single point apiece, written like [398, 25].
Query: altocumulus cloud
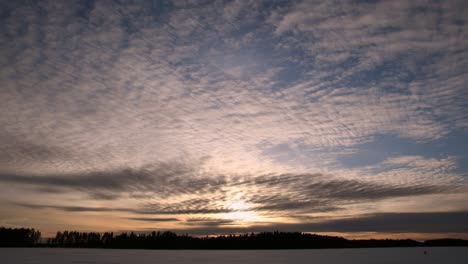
[181, 108]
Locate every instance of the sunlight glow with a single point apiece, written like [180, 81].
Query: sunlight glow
[242, 212]
[242, 216]
[239, 205]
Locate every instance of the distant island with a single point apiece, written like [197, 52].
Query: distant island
[29, 237]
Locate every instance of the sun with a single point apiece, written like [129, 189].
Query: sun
[242, 216]
[239, 206]
[241, 212]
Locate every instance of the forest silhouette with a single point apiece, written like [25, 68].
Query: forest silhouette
[26, 237]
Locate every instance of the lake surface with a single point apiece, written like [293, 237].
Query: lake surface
[108, 256]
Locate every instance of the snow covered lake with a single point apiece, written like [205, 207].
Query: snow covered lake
[108, 256]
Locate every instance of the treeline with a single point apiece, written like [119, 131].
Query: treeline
[19, 237]
[170, 240]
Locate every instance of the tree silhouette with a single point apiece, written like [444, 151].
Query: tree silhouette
[18, 237]
[23, 237]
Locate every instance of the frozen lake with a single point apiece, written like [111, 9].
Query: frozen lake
[108, 256]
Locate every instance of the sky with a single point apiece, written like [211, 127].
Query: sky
[216, 117]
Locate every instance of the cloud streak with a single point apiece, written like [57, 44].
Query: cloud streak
[437, 222]
[185, 194]
[147, 219]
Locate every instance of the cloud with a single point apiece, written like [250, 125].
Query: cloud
[148, 219]
[394, 35]
[73, 208]
[179, 182]
[149, 210]
[436, 222]
[188, 108]
[112, 97]
[146, 210]
[422, 222]
[178, 192]
[165, 179]
[209, 222]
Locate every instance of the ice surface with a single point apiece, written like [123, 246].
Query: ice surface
[107, 256]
